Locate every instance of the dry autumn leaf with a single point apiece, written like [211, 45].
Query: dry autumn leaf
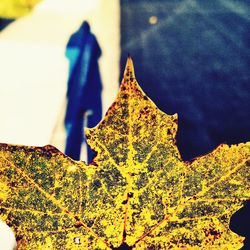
[136, 194]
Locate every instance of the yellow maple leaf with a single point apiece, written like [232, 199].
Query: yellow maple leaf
[136, 194]
[16, 8]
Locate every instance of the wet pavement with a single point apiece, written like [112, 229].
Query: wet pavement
[193, 58]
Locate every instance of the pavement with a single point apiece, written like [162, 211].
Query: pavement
[192, 57]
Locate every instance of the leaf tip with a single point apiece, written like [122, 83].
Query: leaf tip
[129, 72]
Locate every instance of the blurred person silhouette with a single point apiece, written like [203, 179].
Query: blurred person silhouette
[84, 106]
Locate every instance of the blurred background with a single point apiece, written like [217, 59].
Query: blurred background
[59, 70]
[192, 58]
[61, 62]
